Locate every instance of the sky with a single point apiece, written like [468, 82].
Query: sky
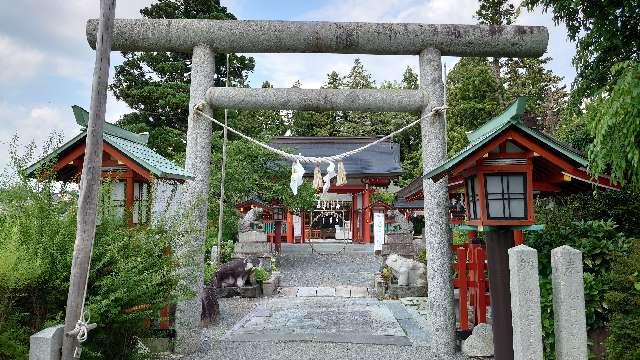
[46, 64]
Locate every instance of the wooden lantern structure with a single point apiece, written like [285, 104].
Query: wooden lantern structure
[497, 176]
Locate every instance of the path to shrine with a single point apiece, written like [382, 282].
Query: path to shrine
[325, 310]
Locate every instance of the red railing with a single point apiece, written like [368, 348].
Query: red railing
[471, 283]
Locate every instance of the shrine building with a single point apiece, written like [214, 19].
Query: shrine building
[144, 184]
[343, 213]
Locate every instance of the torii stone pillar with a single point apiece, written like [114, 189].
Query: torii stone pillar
[190, 250]
[428, 41]
[436, 229]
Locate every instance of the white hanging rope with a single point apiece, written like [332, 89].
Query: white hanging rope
[81, 330]
[317, 159]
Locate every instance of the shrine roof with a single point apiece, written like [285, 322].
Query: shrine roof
[401, 203]
[382, 159]
[134, 146]
[492, 128]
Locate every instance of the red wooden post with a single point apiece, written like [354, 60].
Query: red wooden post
[518, 237]
[165, 320]
[461, 267]
[277, 234]
[354, 204]
[302, 227]
[481, 299]
[366, 219]
[289, 227]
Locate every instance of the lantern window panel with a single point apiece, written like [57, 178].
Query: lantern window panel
[473, 199]
[506, 196]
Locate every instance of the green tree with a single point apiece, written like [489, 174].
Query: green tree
[606, 32]
[614, 117]
[156, 84]
[471, 98]
[547, 97]
[496, 12]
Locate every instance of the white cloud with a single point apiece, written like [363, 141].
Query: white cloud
[18, 62]
[36, 123]
[311, 69]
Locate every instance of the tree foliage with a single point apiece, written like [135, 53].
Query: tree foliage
[156, 84]
[471, 98]
[606, 32]
[547, 98]
[614, 117]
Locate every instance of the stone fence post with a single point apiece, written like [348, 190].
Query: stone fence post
[570, 324]
[525, 303]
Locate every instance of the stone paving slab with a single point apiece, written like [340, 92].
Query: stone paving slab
[306, 291]
[325, 291]
[325, 319]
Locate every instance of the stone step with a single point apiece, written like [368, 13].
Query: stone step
[326, 291]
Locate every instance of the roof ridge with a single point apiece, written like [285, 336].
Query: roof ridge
[511, 114]
[82, 119]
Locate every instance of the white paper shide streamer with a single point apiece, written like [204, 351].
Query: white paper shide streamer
[297, 173]
[331, 173]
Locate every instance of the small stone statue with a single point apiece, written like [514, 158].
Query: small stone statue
[235, 272]
[407, 271]
[252, 217]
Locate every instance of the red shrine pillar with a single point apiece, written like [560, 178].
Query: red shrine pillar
[354, 224]
[366, 216]
[289, 227]
[302, 231]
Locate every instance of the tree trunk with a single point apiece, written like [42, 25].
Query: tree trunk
[495, 63]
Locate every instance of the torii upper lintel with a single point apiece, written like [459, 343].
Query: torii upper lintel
[269, 36]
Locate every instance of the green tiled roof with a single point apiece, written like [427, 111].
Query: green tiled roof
[132, 145]
[495, 126]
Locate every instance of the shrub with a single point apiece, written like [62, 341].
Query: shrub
[623, 302]
[130, 269]
[261, 274]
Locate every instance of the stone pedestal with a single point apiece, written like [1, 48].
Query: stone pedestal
[46, 344]
[401, 244]
[395, 291]
[270, 287]
[252, 243]
[570, 324]
[525, 303]
[480, 343]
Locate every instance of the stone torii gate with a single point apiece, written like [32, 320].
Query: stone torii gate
[204, 38]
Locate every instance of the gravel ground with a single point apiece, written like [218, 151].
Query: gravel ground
[354, 265]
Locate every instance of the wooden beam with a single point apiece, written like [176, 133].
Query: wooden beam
[115, 153]
[70, 157]
[90, 184]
